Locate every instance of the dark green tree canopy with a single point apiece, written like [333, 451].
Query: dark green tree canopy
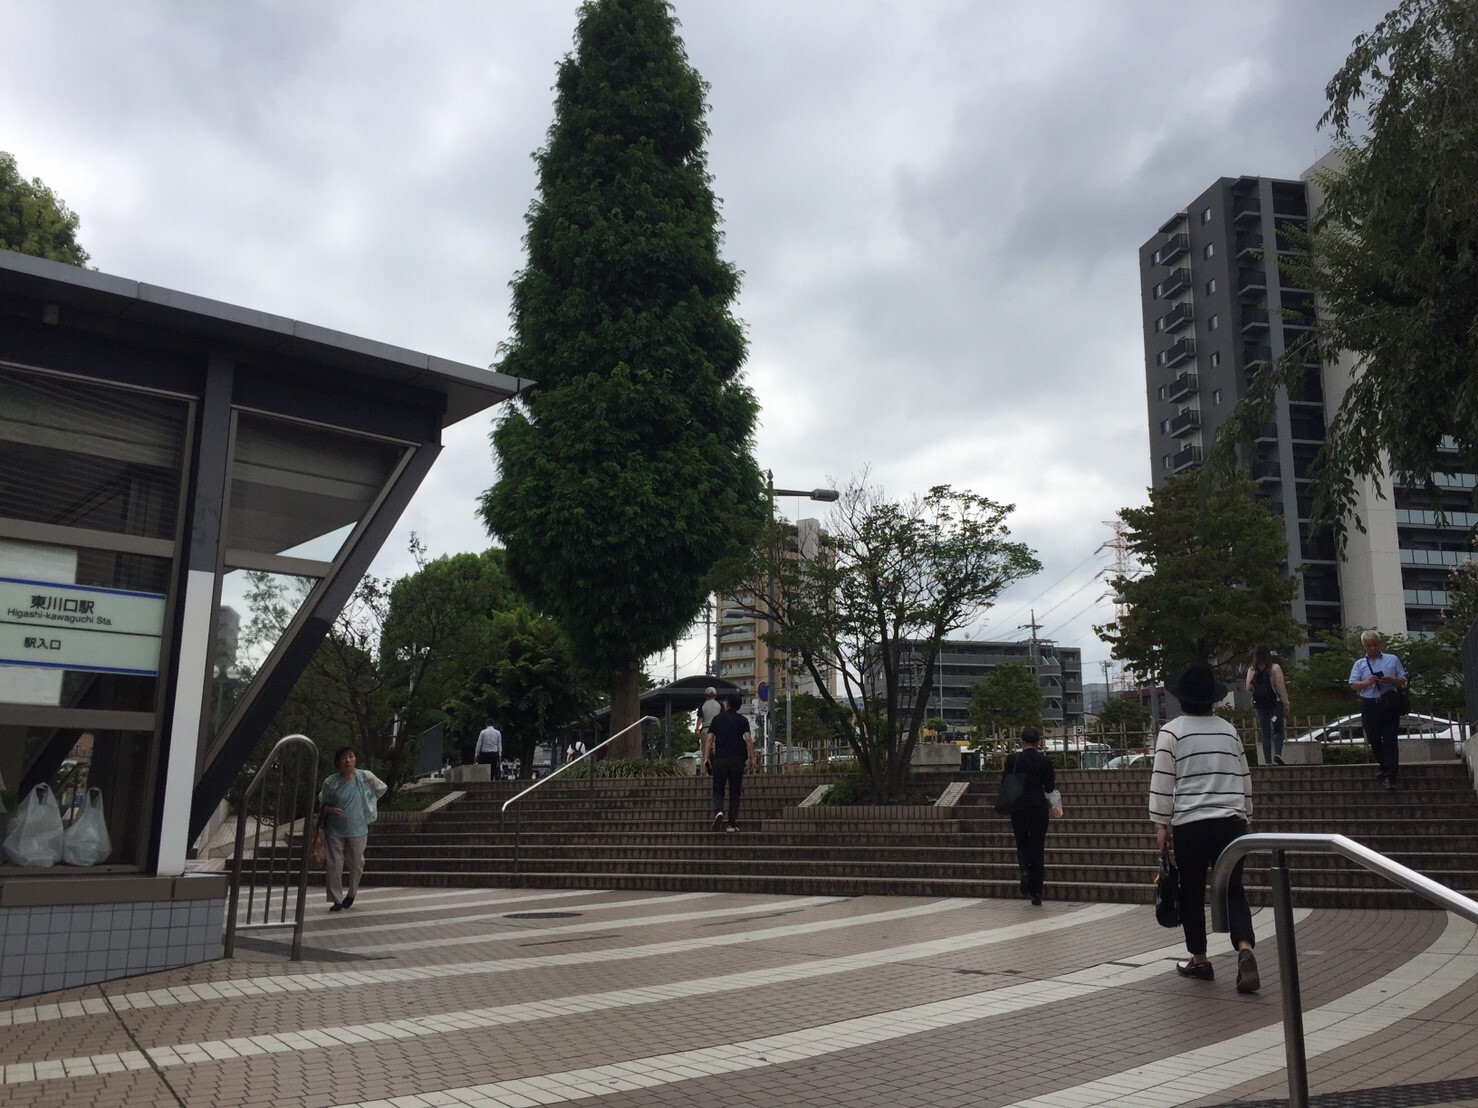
[34, 220]
[1008, 699]
[1392, 255]
[1211, 588]
[626, 471]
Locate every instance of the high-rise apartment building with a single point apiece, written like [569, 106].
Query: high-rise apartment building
[739, 619]
[1217, 310]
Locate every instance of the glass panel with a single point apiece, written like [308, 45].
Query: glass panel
[300, 490]
[83, 454]
[255, 611]
[71, 762]
[80, 628]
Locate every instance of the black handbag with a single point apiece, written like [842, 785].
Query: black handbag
[1012, 796]
[1167, 892]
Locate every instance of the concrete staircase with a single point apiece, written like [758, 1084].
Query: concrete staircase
[654, 834]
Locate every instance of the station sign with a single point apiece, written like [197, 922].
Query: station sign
[58, 625]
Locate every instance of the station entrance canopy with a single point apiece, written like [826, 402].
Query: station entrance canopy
[189, 494]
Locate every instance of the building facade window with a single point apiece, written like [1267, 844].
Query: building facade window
[1215, 358]
[1206, 215]
[1210, 286]
[1215, 397]
[1209, 250]
[1213, 323]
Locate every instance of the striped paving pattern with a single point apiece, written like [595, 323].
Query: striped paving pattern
[469, 997]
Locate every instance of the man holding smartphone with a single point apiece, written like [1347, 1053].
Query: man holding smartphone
[1372, 677]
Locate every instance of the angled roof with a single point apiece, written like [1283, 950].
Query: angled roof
[468, 389]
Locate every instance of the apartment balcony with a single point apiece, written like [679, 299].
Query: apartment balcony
[1266, 469]
[1266, 432]
[1173, 285]
[1251, 280]
[1185, 385]
[1177, 317]
[1188, 421]
[1298, 315]
[1248, 246]
[1254, 319]
[1180, 352]
[1185, 459]
[1173, 247]
[1246, 209]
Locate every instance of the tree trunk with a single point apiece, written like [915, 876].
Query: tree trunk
[626, 710]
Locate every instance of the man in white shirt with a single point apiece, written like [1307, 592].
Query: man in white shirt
[489, 750]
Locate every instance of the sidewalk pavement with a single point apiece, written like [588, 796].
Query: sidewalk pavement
[519, 997]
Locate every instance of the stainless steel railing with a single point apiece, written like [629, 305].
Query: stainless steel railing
[285, 791]
[1280, 845]
[518, 824]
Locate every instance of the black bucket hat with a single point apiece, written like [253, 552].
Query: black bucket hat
[1195, 684]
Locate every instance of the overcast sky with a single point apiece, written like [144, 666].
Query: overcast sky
[936, 205]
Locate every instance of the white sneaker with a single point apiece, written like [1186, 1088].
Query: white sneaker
[718, 821]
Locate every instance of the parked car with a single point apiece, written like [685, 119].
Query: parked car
[1131, 761]
[1348, 731]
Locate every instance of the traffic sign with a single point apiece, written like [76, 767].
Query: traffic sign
[763, 692]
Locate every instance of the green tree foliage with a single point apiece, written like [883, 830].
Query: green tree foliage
[1008, 699]
[891, 580]
[1211, 589]
[1320, 685]
[530, 686]
[626, 470]
[34, 220]
[1462, 604]
[1123, 717]
[1392, 255]
[815, 725]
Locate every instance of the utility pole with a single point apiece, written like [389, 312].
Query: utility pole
[708, 637]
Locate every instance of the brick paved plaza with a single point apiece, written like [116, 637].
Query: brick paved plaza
[510, 997]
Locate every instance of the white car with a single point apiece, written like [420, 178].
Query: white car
[1348, 730]
[1131, 761]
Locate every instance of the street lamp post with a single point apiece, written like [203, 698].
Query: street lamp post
[826, 496]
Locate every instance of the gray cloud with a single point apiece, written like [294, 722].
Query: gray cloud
[936, 205]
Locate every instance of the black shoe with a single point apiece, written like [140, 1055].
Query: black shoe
[1380, 775]
[1201, 971]
[1389, 784]
[1025, 886]
[1037, 901]
[1278, 760]
[1247, 978]
[348, 902]
[336, 908]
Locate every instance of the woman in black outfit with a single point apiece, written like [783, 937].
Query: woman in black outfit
[1029, 822]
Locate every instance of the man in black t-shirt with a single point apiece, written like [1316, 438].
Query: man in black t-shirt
[728, 748]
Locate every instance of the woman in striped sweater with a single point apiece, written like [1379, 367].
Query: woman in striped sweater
[1200, 800]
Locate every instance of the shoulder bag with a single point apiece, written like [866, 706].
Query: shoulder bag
[1012, 796]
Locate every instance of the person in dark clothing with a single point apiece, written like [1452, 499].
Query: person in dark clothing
[1029, 822]
[728, 748]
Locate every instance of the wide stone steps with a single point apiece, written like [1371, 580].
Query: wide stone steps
[655, 835]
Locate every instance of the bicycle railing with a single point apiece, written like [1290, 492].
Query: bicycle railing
[1280, 845]
[518, 824]
[289, 801]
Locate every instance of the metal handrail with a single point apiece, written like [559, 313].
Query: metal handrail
[1280, 844]
[272, 762]
[518, 825]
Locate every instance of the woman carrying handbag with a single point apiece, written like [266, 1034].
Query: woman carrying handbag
[1030, 813]
[350, 800]
[1201, 800]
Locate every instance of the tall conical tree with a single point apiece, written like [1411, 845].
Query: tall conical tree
[626, 472]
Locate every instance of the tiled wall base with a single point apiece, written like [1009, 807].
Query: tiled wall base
[45, 947]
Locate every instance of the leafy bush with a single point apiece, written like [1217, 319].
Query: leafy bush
[1352, 754]
[849, 790]
[623, 767]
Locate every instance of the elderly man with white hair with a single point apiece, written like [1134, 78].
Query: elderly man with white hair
[707, 710]
[1378, 677]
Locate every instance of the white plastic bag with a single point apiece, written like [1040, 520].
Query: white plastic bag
[35, 838]
[86, 842]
